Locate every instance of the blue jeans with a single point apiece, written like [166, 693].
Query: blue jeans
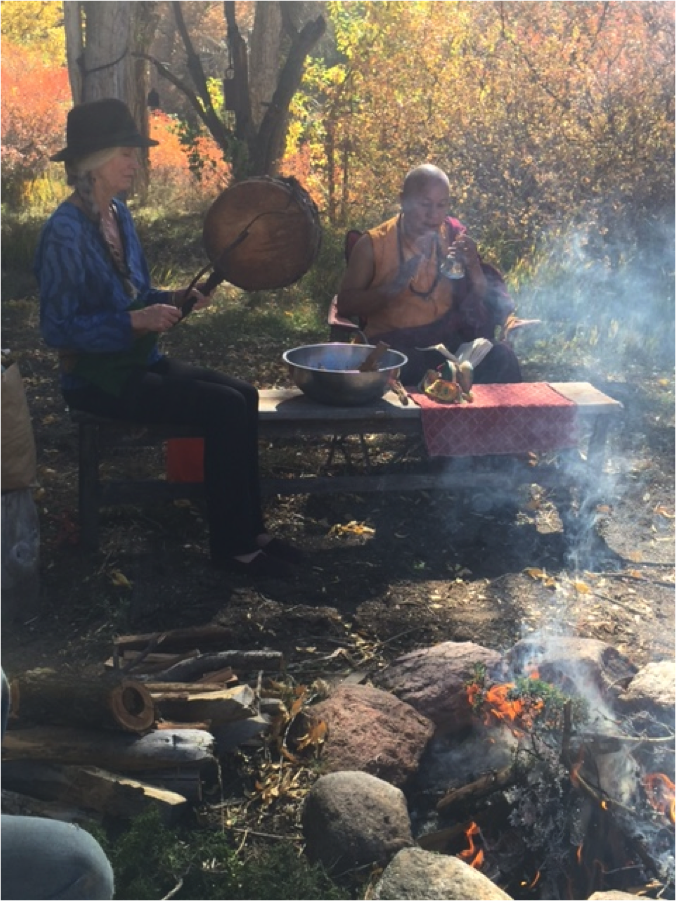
[44, 858]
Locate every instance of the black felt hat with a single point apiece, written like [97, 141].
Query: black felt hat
[98, 125]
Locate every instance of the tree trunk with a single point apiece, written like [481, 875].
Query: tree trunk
[106, 61]
[104, 702]
[101, 42]
[145, 18]
[264, 58]
[72, 19]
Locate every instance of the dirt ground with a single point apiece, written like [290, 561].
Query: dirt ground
[405, 571]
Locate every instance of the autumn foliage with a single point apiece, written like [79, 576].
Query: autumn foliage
[183, 169]
[32, 118]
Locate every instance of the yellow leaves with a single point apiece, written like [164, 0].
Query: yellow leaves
[119, 579]
[351, 528]
[541, 575]
[581, 587]
[278, 782]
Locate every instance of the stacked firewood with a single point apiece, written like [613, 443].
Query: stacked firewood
[147, 731]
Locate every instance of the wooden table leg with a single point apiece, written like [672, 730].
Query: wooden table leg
[597, 445]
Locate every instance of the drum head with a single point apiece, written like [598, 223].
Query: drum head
[278, 225]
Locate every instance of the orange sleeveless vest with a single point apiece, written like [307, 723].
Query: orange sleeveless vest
[408, 309]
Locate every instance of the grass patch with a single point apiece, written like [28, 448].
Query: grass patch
[150, 860]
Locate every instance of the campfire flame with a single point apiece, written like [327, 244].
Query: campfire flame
[498, 705]
[473, 855]
[659, 790]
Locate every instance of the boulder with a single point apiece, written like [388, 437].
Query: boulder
[352, 819]
[433, 680]
[418, 874]
[372, 731]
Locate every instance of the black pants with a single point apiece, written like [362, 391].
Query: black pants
[225, 409]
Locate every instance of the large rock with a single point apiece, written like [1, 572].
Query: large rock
[433, 680]
[418, 874]
[652, 691]
[372, 731]
[612, 896]
[584, 666]
[351, 819]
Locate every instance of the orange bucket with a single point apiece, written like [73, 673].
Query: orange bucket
[185, 460]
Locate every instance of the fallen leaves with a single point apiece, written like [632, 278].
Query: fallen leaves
[118, 578]
[541, 575]
[351, 528]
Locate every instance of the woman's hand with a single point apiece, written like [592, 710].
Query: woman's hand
[200, 299]
[158, 317]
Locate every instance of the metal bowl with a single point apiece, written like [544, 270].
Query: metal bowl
[329, 373]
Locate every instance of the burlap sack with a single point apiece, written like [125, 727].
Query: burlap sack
[19, 465]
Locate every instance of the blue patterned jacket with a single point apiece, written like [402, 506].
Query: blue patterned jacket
[84, 308]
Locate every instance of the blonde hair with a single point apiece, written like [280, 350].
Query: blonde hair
[86, 164]
[79, 176]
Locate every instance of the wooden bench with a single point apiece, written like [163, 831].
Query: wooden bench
[287, 413]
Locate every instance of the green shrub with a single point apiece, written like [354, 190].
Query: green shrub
[150, 860]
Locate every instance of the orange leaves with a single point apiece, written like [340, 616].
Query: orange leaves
[31, 121]
[185, 169]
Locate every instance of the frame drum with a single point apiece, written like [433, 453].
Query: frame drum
[262, 233]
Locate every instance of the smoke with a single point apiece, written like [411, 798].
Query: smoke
[607, 301]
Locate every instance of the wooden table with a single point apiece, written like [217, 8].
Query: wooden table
[287, 413]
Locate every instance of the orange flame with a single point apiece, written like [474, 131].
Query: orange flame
[473, 856]
[532, 883]
[660, 791]
[497, 705]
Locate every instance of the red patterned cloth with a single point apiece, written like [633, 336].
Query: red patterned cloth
[503, 419]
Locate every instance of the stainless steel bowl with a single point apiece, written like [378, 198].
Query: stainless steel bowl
[329, 373]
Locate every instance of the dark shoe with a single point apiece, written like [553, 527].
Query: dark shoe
[260, 567]
[280, 550]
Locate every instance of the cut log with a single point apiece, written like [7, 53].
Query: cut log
[104, 702]
[139, 661]
[92, 788]
[25, 806]
[184, 782]
[160, 749]
[480, 788]
[175, 639]
[189, 670]
[217, 707]
[222, 676]
[182, 688]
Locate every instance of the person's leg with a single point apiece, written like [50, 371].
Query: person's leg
[499, 366]
[225, 410]
[49, 859]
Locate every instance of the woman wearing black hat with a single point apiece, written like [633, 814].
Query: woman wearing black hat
[98, 308]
